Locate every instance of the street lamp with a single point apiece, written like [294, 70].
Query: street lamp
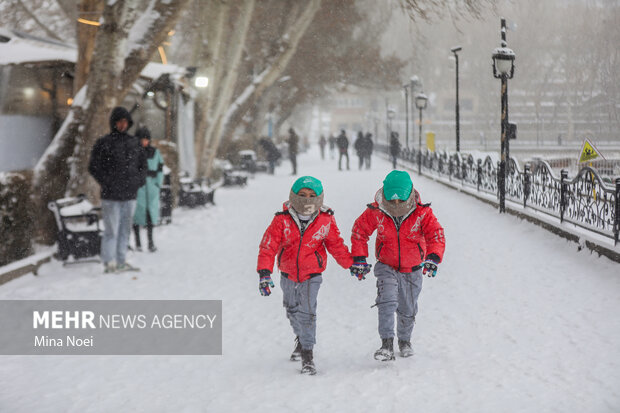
[406, 88]
[454, 51]
[415, 84]
[420, 103]
[201, 81]
[503, 68]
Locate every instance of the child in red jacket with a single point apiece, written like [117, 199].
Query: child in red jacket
[299, 236]
[410, 242]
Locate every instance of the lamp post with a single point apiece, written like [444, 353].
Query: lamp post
[415, 84]
[406, 88]
[420, 103]
[503, 68]
[455, 51]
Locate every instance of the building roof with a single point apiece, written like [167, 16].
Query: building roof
[21, 48]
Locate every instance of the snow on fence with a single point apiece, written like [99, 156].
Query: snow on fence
[586, 200]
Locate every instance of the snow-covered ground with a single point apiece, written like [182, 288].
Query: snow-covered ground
[516, 321]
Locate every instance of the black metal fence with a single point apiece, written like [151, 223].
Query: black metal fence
[586, 200]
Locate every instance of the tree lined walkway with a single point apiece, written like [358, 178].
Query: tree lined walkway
[516, 320]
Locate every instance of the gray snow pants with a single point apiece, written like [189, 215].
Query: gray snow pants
[300, 301]
[397, 292]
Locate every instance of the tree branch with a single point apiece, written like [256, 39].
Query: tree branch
[43, 26]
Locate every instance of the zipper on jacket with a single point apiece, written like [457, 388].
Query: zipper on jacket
[398, 239]
[301, 236]
[397, 225]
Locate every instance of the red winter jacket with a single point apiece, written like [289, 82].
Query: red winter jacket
[404, 247]
[302, 256]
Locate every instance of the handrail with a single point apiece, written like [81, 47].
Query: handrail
[585, 200]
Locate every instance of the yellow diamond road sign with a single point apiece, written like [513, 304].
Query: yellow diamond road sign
[589, 152]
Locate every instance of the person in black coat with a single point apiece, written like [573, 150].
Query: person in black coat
[118, 163]
[293, 148]
[343, 147]
[394, 148]
[332, 146]
[358, 145]
[272, 153]
[367, 146]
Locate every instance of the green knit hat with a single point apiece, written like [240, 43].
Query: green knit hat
[397, 185]
[308, 182]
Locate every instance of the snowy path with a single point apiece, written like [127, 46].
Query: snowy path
[516, 321]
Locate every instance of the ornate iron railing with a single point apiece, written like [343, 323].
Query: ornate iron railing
[585, 200]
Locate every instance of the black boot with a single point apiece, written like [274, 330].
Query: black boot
[405, 348]
[307, 365]
[296, 354]
[386, 352]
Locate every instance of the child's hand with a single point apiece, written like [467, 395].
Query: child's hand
[429, 267]
[359, 268]
[265, 282]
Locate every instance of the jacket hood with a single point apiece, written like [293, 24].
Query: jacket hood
[117, 114]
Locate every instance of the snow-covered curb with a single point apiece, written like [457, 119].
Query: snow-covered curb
[22, 267]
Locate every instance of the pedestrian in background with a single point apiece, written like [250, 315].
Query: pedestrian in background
[367, 146]
[147, 202]
[343, 148]
[272, 154]
[394, 148]
[332, 146]
[293, 148]
[118, 164]
[358, 148]
[322, 143]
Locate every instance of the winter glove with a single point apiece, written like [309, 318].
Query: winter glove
[359, 268]
[265, 283]
[429, 266]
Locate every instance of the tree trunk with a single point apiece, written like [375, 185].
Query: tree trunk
[213, 61]
[90, 10]
[63, 168]
[224, 121]
[228, 81]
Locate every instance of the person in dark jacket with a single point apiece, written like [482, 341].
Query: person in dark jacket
[293, 147]
[322, 143]
[147, 203]
[343, 147]
[332, 146]
[394, 148]
[367, 146]
[119, 165]
[271, 153]
[359, 148]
